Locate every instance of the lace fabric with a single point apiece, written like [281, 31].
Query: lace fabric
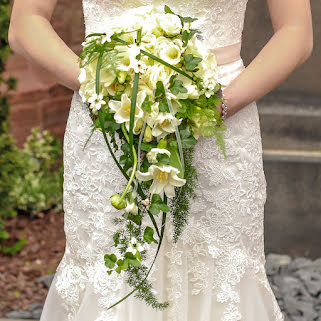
[221, 21]
[216, 269]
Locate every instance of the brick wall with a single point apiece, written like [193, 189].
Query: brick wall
[40, 101]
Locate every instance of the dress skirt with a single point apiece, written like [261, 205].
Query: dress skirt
[215, 272]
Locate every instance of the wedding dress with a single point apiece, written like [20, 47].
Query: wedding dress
[216, 270]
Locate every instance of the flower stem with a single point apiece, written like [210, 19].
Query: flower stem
[146, 53]
[157, 251]
[100, 116]
[134, 166]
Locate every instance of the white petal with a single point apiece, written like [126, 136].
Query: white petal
[143, 176]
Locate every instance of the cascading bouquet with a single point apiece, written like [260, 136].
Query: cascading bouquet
[151, 85]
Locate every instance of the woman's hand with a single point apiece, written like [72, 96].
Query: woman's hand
[289, 47]
[32, 36]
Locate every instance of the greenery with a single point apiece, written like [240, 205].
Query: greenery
[8, 151]
[30, 178]
[40, 186]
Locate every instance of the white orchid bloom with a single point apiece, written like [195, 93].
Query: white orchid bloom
[164, 124]
[152, 155]
[164, 178]
[134, 246]
[122, 110]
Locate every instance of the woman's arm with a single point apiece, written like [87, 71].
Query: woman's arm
[32, 36]
[289, 47]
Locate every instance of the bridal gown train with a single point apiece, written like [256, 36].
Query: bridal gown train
[216, 270]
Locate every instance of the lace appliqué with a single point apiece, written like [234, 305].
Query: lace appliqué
[224, 238]
[221, 21]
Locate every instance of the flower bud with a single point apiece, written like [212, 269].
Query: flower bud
[139, 125]
[148, 137]
[117, 202]
[122, 76]
[146, 203]
[162, 143]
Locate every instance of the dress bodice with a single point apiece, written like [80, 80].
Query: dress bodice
[221, 21]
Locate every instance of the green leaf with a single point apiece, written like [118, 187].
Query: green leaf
[168, 10]
[186, 36]
[160, 90]
[188, 140]
[188, 19]
[4, 235]
[163, 106]
[134, 218]
[176, 86]
[147, 147]
[191, 62]
[122, 265]
[163, 159]
[157, 205]
[175, 160]
[147, 104]
[149, 235]
[110, 260]
[131, 259]
[138, 257]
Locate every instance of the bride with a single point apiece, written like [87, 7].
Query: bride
[216, 269]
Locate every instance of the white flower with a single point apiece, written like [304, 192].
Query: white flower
[96, 101]
[170, 23]
[164, 178]
[146, 203]
[82, 75]
[131, 208]
[169, 50]
[197, 48]
[148, 41]
[165, 123]
[192, 90]
[128, 60]
[87, 90]
[152, 155]
[122, 109]
[134, 246]
[87, 79]
[151, 117]
[157, 72]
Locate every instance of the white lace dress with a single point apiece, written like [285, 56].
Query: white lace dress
[216, 270]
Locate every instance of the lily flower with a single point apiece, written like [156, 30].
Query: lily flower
[152, 155]
[122, 109]
[164, 178]
[165, 123]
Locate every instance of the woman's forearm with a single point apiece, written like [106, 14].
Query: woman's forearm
[33, 37]
[285, 51]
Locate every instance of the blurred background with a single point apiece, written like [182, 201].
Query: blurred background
[31, 217]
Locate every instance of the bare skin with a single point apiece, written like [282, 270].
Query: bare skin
[32, 36]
